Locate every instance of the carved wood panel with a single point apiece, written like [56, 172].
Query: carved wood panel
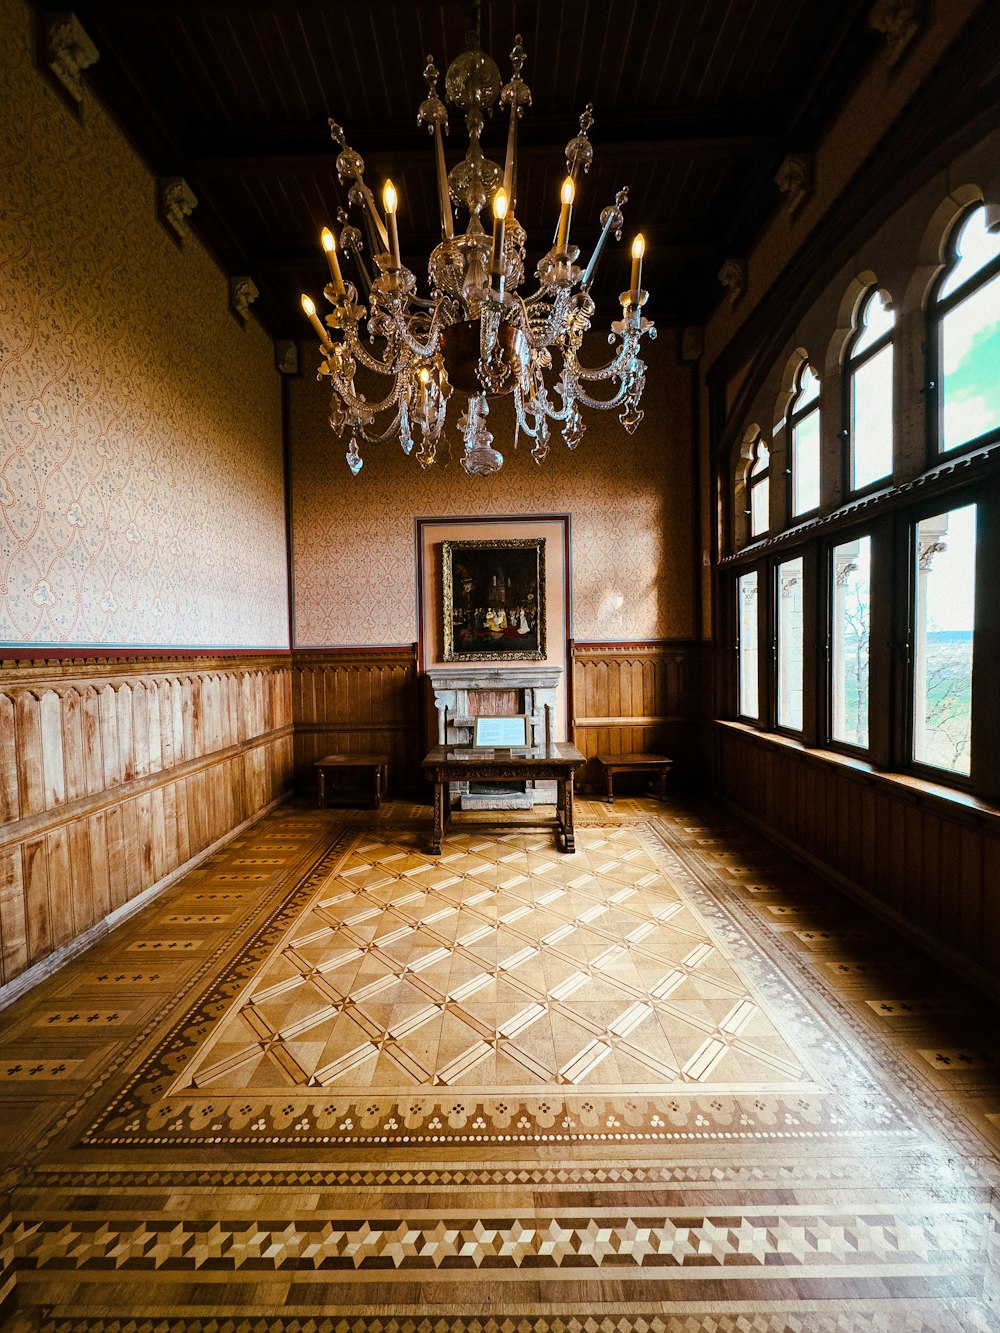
[113, 774]
[633, 698]
[932, 861]
[349, 702]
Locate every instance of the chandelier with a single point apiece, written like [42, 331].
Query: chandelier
[476, 333]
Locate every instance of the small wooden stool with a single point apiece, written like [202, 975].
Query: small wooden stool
[376, 764]
[635, 763]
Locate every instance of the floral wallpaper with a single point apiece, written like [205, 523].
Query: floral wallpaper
[141, 487]
[630, 499]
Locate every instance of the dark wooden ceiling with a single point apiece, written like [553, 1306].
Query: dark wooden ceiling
[696, 103]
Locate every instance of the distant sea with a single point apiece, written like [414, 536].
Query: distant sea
[955, 637]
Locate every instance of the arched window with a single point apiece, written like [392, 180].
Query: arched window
[758, 484]
[965, 336]
[868, 381]
[803, 437]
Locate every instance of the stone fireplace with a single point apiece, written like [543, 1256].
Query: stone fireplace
[461, 694]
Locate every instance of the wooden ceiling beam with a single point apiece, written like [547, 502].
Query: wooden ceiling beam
[741, 132]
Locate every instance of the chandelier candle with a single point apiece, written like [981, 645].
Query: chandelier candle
[330, 246]
[481, 331]
[309, 306]
[499, 236]
[566, 195]
[638, 250]
[389, 199]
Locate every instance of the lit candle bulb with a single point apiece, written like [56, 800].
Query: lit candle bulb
[424, 376]
[566, 195]
[310, 308]
[389, 200]
[638, 250]
[330, 246]
[499, 230]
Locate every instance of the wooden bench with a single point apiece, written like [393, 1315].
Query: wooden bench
[634, 763]
[377, 765]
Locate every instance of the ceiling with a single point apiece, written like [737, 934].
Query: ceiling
[696, 104]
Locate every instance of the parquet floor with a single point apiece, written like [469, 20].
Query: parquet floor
[673, 1083]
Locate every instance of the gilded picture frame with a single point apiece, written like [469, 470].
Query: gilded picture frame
[494, 600]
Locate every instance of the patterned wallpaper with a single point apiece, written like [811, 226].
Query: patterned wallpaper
[630, 498]
[139, 421]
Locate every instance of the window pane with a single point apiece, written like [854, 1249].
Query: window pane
[759, 515]
[876, 321]
[805, 464]
[851, 629]
[943, 639]
[970, 354]
[761, 458]
[808, 389]
[748, 705]
[975, 247]
[871, 419]
[790, 644]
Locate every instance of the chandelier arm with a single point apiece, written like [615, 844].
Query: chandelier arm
[602, 404]
[421, 349]
[618, 365]
[361, 408]
[370, 362]
[542, 335]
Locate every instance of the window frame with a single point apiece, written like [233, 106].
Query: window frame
[910, 518]
[934, 313]
[801, 554]
[762, 720]
[792, 419]
[754, 481]
[867, 752]
[848, 367]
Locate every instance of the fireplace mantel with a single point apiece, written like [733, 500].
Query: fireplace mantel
[455, 688]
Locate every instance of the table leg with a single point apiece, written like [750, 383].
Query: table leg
[569, 841]
[663, 785]
[440, 790]
[609, 784]
[321, 799]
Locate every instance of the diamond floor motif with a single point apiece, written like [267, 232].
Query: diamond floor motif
[501, 964]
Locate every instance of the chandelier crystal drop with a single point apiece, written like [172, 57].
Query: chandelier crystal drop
[476, 334]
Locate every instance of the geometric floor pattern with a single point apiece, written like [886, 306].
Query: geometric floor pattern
[673, 1083]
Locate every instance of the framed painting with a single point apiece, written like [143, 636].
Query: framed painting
[494, 600]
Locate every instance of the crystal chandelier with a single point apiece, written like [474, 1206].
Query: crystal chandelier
[475, 334]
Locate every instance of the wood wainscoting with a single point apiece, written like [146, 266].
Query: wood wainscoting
[115, 773]
[635, 697]
[354, 700]
[925, 858]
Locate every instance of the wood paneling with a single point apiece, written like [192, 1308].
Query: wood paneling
[928, 859]
[357, 701]
[633, 698]
[115, 773]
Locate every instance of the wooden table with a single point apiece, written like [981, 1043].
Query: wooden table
[558, 761]
[375, 764]
[634, 763]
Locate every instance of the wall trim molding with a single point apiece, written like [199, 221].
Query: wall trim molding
[67, 670]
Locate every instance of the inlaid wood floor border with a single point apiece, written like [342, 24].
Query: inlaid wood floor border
[891, 1226]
